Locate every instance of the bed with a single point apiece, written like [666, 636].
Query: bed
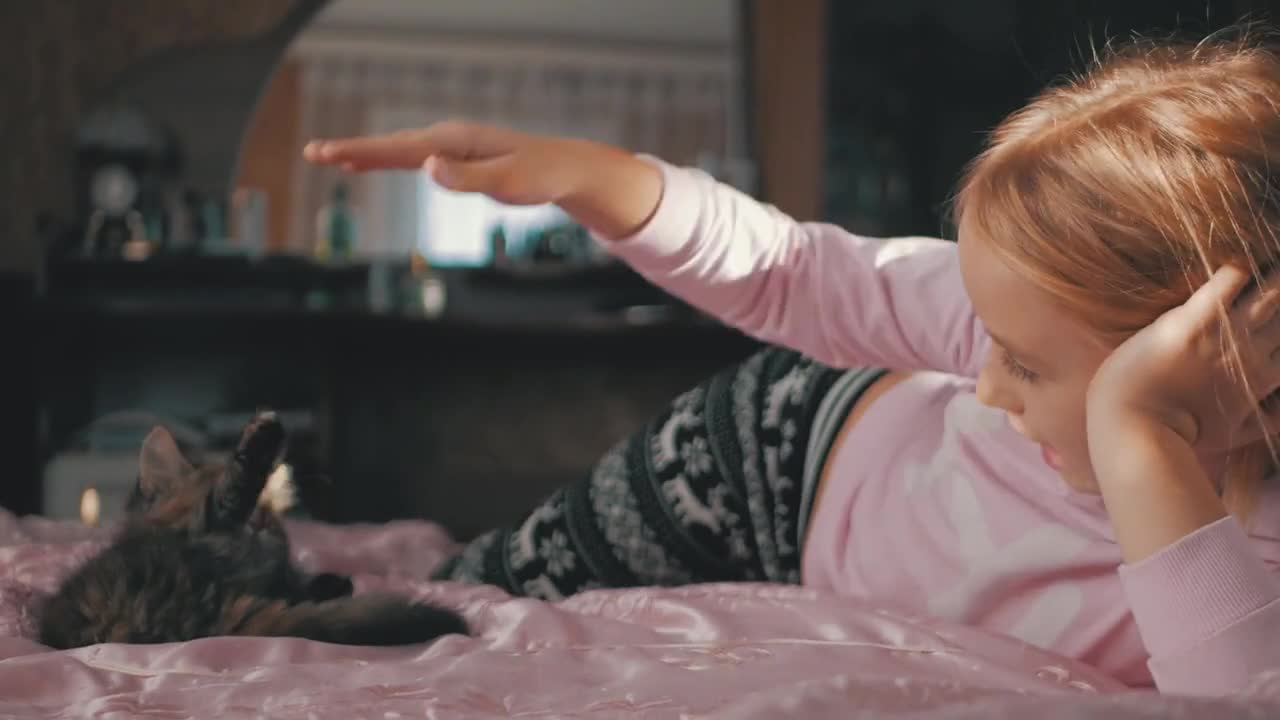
[710, 651]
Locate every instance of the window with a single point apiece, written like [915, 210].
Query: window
[456, 229]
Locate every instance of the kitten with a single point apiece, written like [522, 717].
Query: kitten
[203, 553]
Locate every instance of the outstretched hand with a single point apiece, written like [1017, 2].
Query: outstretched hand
[605, 188]
[510, 166]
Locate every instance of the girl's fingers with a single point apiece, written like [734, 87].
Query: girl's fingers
[482, 176]
[1267, 420]
[395, 151]
[1259, 309]
[409, 149]
[1223, 289]
[1257, 322]
[1257, 306]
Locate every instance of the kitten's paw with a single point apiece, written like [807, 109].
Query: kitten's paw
[329, 586]
[263, 439]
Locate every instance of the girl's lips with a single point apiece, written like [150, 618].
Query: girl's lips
[1052, 457]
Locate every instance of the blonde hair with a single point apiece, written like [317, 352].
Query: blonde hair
[1120, 191]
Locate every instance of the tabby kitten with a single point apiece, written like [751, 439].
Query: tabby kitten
[199, 556]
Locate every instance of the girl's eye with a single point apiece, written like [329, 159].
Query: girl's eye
[1015, 368]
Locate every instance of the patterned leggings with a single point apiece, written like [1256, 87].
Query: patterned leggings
[718, 487]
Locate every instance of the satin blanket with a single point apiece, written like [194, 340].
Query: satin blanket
[710, 651]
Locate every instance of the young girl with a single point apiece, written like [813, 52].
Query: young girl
[1070, 441]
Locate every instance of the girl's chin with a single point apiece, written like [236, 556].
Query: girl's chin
[1080, 482]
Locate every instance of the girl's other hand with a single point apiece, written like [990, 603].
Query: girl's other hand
[1183, 371]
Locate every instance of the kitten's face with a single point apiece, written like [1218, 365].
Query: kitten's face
[174, 494]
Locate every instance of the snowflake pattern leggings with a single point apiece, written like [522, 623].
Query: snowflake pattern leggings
[717, 488]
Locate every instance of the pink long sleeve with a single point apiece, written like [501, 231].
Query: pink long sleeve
[843, 299]
[1208, 610]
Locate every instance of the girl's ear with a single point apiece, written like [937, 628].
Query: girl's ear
[161, 464]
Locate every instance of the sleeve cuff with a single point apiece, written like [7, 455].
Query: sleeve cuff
[1226, 662]
[672, 226]
[1196, 588]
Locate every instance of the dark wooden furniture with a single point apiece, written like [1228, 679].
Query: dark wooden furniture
[467, 419]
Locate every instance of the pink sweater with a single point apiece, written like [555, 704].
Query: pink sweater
[935, 504]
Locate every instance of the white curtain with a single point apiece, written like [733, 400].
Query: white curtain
[679, 104]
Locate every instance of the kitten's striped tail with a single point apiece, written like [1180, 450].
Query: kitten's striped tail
[373, 619]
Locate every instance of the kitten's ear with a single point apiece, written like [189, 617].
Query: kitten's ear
[161, 464]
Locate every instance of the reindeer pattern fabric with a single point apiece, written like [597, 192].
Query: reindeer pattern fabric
[717, 487]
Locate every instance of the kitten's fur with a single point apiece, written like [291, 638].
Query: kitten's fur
[198, 556]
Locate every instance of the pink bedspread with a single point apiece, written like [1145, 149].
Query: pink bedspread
[719, 651]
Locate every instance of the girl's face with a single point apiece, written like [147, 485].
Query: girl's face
[1040, 363]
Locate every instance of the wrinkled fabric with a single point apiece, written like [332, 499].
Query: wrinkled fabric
[713, 651]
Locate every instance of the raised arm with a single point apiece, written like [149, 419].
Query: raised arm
[844, 299]
[840, 297]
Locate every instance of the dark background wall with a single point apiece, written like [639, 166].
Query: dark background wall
[59, 57]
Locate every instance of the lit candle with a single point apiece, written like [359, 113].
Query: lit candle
[90, 505]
